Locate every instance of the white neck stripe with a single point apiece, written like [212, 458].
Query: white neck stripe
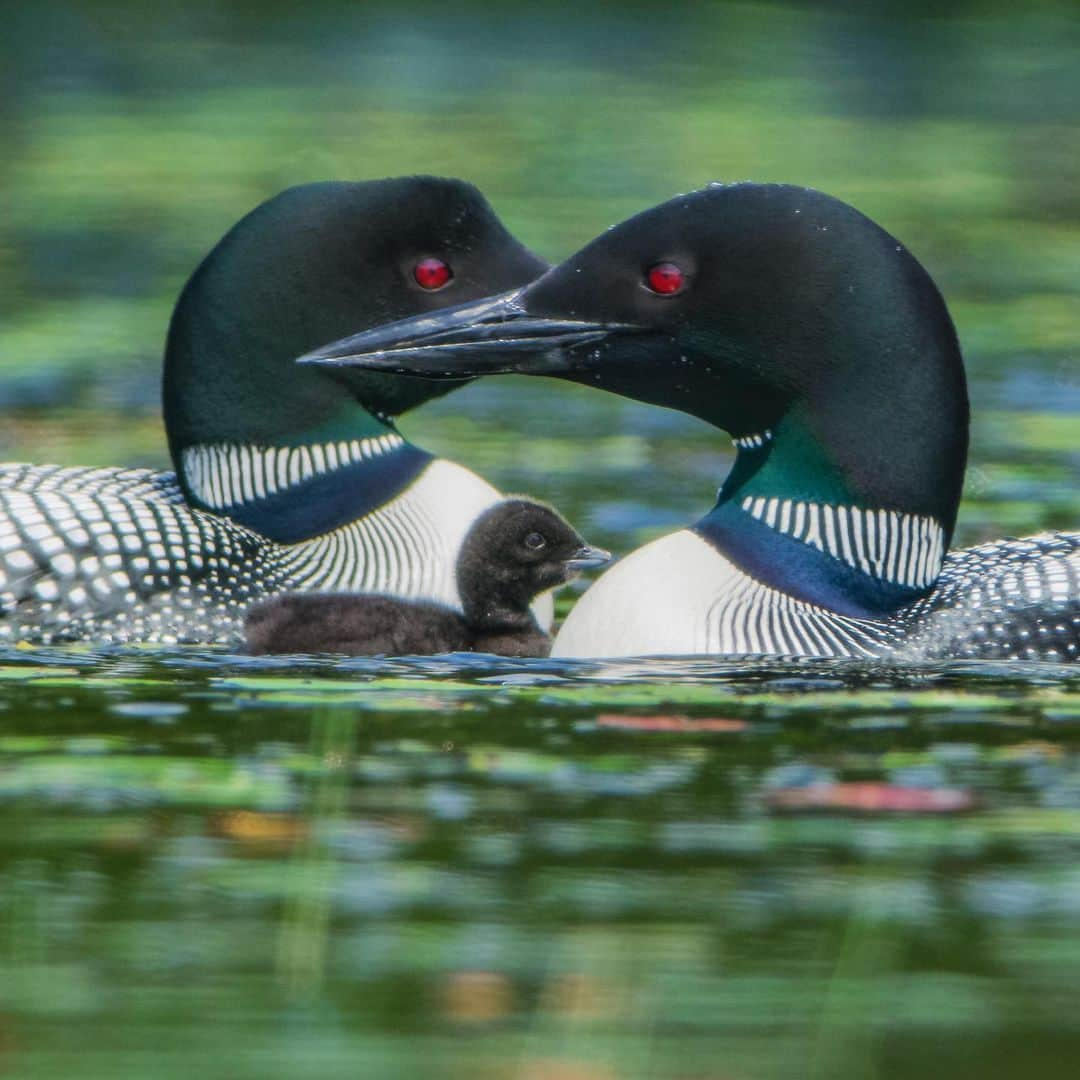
[224, 475]
[754, 441]
[906, 549]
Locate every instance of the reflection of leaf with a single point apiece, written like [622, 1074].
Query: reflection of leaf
[669, 723]
[870, 798]
[476, 997]
[259, 830]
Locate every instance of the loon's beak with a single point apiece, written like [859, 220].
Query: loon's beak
[492, 336]
[586, 558]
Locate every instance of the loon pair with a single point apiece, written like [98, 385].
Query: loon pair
[287, 478]
[776, 313]
[824, 349]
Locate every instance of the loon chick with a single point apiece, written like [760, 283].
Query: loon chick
[820, 344]
[286, 478]
[515, 550]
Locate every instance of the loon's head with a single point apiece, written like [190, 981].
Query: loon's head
[308, 265]
[775, 312]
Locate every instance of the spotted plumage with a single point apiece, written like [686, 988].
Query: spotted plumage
[1006, 600]
[118, 555]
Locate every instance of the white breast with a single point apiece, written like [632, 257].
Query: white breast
[408, 547]
[656, 601]
[679, 596]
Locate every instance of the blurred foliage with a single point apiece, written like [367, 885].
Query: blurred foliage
[134, 135]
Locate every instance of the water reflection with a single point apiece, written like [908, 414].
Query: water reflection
[591, 866]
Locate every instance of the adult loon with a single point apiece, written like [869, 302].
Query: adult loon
[819, 343]
[513, 551]
[286, 478]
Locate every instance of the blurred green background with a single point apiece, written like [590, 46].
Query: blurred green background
[134, 135]
[535, 872]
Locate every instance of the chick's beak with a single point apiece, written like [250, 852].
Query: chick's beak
[587, 558]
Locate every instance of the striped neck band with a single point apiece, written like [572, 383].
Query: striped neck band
[755, 441]
[904, 549]
[223, 475]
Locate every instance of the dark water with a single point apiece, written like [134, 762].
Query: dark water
[523, 869]
[468, 868]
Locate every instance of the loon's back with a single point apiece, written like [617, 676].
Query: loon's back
[118, 555]
[1004, 600]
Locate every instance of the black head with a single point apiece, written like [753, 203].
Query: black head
[514, 551]
[751, 306]
[314, 263]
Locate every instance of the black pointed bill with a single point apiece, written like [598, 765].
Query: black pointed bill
[484, 337]
[587, 558]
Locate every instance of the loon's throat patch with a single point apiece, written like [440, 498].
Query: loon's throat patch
[224, 475]
[293, 493]
[902, 549]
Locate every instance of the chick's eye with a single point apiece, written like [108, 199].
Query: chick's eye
[665, 278]
[535, 541]
[432, 273]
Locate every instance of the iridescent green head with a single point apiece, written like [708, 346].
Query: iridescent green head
[309, 265]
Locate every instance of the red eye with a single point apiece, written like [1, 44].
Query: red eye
[432, 273]
[665, 278]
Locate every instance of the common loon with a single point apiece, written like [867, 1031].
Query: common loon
[286, 478]
[513, 551]
[819, 343]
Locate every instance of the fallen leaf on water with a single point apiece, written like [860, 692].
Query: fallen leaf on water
[253, 827]
[1033, 748]
[871, 798]
[564, 1070]
[669, 723]
[581, 996]
[477, 997]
